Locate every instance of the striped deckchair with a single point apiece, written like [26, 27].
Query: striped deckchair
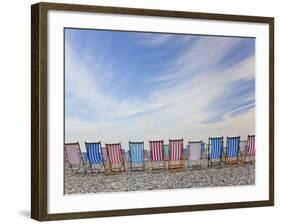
[250, 151]
[166, 152]
[215, 151]
[73, 156]
[94, 154]
[232, 150]
[157, 154]
[136, 155]
[195, 153]
[115, 157]
[176, 157]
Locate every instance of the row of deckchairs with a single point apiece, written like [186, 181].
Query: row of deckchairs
[111, 158]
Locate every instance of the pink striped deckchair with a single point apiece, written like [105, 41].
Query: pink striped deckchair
[115, 157]
[73, 155]
[250, 149]
[157, 154]
[176, 160]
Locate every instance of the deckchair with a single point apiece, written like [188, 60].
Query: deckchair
[166, 152]
[215, 151]
[94, 154]
[74, 156]
[157, 154]
[232, 150]
[195, 153]
[115, 157]
[136, 156]
[249, 155]
[176, 157]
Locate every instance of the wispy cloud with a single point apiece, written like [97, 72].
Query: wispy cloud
[196, 96]
[153, 39]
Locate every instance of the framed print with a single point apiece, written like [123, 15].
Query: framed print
[141, 111]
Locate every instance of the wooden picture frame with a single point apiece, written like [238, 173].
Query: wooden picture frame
[39, 110]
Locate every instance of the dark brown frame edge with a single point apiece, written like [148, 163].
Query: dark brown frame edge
[39, 110]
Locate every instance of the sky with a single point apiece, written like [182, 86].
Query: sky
[137, 86]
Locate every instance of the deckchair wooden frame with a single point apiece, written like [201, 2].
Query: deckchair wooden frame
[210, 163]
[111, 169]
[227, 159]
[246, 155]
[80, 153]
[179, 166]
[141, 168]
[188, 154]
[153, 167]
[103, 162]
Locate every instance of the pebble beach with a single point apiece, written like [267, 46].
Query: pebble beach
[85, 181]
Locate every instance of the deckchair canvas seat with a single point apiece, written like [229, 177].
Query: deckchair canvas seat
[136, 155]
[195, 153]
[232, 150]
[95, 157]
[115, 157]
[74, 156]
[215, 151]
[176, 156]
[157, 155]
[250, 150]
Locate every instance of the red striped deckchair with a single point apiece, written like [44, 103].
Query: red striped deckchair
[250, 149]
[176, 160]
[115, 157]
[157, 154]
[73, 156]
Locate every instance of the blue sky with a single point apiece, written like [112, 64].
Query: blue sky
[122, 86]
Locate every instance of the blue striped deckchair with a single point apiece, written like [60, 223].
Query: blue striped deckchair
[136, 153]
[94, 154]
[215, 150]
[166, 152]
[232, 150]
